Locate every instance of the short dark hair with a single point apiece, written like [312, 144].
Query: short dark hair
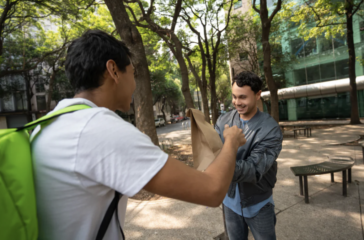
[87, 56]
[247, 78]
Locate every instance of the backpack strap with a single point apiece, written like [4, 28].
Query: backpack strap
[113, 207]
[44, 119]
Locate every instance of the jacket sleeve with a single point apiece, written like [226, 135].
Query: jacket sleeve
[261, 158]
[218, 130]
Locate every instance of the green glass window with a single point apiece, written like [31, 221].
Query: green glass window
[327, 71]
[313, 74]
[310, 47]
[297, 47]
[325, 44]
[361, 28]
[339, 41]
[342, 69]
[283, 112]
[300, 76]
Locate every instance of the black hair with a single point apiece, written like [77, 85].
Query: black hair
[87, 56]
[247, 78]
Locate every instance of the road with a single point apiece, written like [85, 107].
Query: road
[171, 127]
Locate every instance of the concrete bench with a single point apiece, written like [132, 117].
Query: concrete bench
[337, 164]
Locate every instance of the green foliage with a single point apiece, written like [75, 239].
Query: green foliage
[166, 90]
[320, 18]
[244, 36]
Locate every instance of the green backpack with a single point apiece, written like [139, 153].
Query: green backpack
[18, 214]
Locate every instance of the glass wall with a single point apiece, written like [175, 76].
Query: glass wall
[334, 106]
[321, 59]
[283, 110]
[330, 106]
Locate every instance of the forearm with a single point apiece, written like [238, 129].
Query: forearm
[176, 180]
[221, 170]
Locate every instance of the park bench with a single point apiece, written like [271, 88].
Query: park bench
[307, 131]
[337, 164]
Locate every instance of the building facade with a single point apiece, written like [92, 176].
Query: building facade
[14, 105]
[317, 82]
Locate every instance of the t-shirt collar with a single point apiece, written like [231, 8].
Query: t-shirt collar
[73, 101]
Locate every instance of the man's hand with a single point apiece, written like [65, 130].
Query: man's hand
[176, 180]
[235, 135]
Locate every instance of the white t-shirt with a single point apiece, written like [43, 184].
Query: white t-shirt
[79, 160]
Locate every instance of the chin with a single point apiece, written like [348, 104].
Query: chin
[124, 109]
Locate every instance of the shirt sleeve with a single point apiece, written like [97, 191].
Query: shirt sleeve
[113, 153]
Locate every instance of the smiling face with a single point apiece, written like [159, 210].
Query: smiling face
[245, 100]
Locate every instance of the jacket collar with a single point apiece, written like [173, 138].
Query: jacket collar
[236, 118]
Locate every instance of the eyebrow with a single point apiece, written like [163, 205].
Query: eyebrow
[239, 95]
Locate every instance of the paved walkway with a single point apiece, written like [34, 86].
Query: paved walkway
[328, 216]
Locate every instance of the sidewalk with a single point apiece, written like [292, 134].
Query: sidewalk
[328, 216]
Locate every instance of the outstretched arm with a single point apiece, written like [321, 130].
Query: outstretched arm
[176, 180]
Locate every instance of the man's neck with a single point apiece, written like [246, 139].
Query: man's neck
[97, 98]
[248, 116]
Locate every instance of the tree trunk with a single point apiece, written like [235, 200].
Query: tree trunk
[351, 49]
[266, 105]
[3, 17]
[214, 109]
[267, 66]
[50, 90]
[29, 94]
[184, 72]
[205, 102]
[143, 100]
[162, 110]
[202, 84]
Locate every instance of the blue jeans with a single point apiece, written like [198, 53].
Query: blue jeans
[262, 225]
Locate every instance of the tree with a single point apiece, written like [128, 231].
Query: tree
[266, 22]
[246, 48]
[19, 50]
[210, 40]
[164, 90]
[223, 84]
[244, 35]
[327, 17]
[200, 79]
[165, 26]
[143, 94]
[17, 14]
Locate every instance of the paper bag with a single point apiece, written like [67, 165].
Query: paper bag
[206, 143]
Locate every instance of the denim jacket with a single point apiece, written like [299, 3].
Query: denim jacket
[256, 165]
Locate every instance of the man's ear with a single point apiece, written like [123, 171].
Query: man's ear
[112, 70]
[258, 94]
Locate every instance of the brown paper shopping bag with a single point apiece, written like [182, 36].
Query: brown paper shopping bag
[206, 143]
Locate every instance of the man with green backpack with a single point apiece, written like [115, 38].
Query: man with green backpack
[84, 156]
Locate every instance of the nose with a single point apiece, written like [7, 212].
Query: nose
[238, 102]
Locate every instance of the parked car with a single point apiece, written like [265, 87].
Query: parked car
[159, 122]
[176, 119]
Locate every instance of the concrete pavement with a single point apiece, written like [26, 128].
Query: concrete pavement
[328, 216]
